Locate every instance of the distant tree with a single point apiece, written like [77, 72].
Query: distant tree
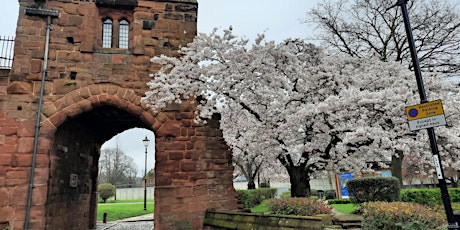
[248, 147]
[413, 171]
[452, 176]
[368, 28]
[150, 178]
[106, 190]
[115, 167]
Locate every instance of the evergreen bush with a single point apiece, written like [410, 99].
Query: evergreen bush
[106, 190]
[253, 197]
[369, 189]
[339, 201]
[428, 196]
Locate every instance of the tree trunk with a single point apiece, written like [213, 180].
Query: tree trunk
[300, 181]
[251, 184]
[396, 166]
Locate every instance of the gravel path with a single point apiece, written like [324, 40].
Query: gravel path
[144, 222]
[135, 225]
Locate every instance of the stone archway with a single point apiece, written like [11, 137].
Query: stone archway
[193, 164]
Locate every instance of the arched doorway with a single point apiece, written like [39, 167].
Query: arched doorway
[74, 157]
[193, 169]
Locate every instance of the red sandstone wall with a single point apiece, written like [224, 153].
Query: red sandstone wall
[193, 164]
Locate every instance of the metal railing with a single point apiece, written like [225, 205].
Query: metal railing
[6, 52]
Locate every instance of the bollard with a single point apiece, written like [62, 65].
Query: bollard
[104, 219]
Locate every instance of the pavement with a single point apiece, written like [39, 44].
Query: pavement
[144, 222]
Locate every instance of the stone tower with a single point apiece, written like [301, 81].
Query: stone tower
[81, 67]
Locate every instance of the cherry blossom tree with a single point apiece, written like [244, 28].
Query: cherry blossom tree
[249, 150]
[368, 28]
[313, 112]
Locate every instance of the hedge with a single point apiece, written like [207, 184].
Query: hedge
[253, 197]
[369, 189]
[428, 196]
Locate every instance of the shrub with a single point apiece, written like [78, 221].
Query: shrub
[454, 194]
[106, 190]
[428, 196]
[253, 197]
[400, 215]
[368, 189]
[339, 201]
[329, 194]
[298, 206]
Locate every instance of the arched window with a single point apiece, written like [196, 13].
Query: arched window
[107, 33]
[123, 35]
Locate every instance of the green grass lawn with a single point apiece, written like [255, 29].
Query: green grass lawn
[121, 210]
[124, 201]
[344, 208]
[261, 208]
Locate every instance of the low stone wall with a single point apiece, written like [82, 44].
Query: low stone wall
[220, 220]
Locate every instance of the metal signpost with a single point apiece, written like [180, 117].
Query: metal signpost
[428, 114]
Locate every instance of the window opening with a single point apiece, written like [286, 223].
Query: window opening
[123, 37]
[107, 33]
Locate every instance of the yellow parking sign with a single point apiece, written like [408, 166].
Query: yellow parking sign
[425, 115]
[428, 109]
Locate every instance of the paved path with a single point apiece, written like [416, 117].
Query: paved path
[144, 222]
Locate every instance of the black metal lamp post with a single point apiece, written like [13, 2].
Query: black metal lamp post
[146, 142]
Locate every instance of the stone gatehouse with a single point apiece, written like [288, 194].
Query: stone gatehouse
[96, 58]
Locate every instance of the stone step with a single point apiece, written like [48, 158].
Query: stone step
[351, 225]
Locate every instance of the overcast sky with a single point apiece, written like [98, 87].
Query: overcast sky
[277, 19]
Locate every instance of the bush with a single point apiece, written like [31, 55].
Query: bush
[298, 206]
[106, 191]
[428, 196]
[368, 189]
[400, 215]
[454, 194]
[253, 197]
[329, 194]
[339, 201]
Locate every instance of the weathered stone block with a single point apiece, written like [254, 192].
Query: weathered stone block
[75, 20]
[19, 88]
[188, 166]
[171, 128]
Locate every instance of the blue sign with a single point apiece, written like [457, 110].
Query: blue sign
[343, 177]
[385, 173]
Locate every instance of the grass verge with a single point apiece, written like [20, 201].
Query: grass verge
[261, 208]
[124, 201]
[345, 208]
[117, 211]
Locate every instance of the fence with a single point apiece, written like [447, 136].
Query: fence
[133, 193]
[6, 52]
